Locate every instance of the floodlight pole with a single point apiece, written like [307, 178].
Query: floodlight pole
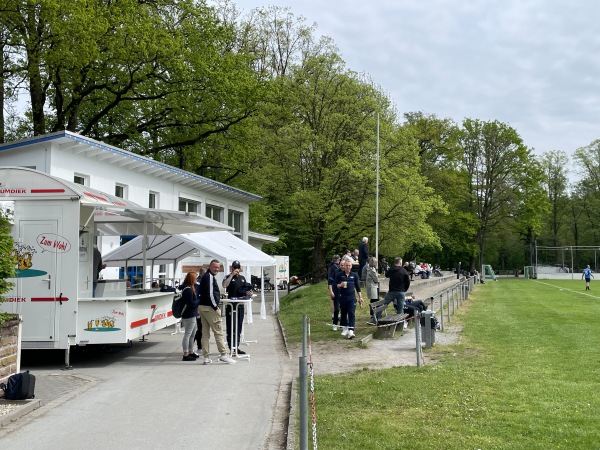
[377, 198]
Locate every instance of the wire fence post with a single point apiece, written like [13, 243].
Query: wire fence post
[418, 339]
[303, 380]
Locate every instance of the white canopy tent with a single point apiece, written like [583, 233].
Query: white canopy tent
[171, 249]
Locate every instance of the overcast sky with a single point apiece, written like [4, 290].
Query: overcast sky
[533, 64]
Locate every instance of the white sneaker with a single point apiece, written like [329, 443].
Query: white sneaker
[405, 324]
[226, 359]
[207, 361]
[350, 334]
[334, 328]
[344, 331]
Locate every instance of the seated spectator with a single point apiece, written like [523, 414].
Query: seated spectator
[355, 262]
[417, 270]
[155, 285]
[412, 307]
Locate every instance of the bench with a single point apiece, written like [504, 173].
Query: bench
[388, 324]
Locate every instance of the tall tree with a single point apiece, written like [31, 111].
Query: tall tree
[320, 138]
[497, 162]
[160, 77]
[554, 164]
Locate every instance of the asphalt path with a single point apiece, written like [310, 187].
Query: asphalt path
[145, 397]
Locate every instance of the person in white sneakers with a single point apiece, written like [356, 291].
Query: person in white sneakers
[210, 296]
[348, 283]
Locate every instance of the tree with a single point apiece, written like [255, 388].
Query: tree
[161, 77]
[320, 126]
[440, 157]
[554, 165]
[498, 163]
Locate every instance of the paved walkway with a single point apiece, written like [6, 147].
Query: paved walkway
[146, 397]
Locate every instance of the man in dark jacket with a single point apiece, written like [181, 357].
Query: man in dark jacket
[235, 285]
[363, 255]
[210, 296]
[399, 285]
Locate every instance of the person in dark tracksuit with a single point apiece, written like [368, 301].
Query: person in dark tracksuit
[347, 283]
[334, 292]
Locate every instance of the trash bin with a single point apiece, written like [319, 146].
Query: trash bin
[428, 327]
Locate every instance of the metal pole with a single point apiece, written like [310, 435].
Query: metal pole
[418, 339]
[377, 198]
[303, 380]
[572, 274]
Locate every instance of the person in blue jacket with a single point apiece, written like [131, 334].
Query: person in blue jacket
[188, 318]
[587, 274]
[348, 283]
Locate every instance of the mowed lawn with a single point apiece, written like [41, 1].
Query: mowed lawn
[524, 376]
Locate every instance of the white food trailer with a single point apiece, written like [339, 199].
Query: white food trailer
[54, 222]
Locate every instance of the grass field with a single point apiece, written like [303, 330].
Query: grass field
[525, 376]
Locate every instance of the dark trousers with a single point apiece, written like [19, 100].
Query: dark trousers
[229, 310]
[199, 333]
[336, 310]
[348, 310]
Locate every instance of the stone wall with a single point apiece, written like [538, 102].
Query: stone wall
[9, 348]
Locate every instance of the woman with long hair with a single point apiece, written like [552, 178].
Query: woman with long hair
[188, 318]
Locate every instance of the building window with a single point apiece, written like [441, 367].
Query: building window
[153, 200]
[120, 190]
[235, 221]
[214, 212]
[80, 179]
[187, 205]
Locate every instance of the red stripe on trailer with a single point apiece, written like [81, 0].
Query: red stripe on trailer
[49, 299]
[46, 191]
[99, 197]
[139, 323]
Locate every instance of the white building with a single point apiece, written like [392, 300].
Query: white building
[139, 179]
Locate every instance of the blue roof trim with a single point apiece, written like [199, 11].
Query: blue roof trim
[125, 153]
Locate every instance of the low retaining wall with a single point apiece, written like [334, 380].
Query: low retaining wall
[10, 345]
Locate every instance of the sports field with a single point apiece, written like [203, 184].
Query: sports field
[524, 376]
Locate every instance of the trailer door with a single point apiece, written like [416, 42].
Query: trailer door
[38, 285]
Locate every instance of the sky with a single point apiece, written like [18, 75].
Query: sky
[533, 64]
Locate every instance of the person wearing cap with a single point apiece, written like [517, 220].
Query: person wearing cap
[235, 285]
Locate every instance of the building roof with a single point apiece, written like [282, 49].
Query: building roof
[100, 151]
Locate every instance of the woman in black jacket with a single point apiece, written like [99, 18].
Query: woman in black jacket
[188, 318]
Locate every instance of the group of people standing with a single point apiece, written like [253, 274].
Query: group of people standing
[345, 286]
[202, 297]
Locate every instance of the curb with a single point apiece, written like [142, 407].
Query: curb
[23, 407]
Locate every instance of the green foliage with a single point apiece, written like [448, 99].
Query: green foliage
[521, 378]
[7, 262]
[503, 178]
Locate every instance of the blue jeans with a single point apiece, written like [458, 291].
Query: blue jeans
[398, 298]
